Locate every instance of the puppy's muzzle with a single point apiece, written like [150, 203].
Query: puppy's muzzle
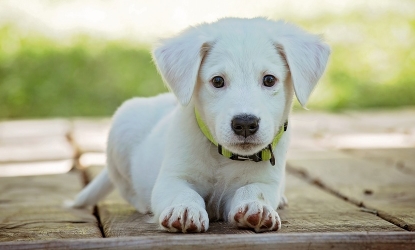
[245, 125]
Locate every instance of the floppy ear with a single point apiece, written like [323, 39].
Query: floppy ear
[306, 56]
[178, 60]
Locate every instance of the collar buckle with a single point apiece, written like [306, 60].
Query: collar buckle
[255, 157]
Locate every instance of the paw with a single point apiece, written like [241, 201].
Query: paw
[255, 215]
[185, 219]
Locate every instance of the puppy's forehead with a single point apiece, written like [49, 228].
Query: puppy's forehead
[242, 40]
[244, 51]
[245, 43]
[238, 45]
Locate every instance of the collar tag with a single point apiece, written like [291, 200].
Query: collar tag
[272, 160]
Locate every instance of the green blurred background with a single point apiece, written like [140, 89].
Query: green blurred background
[372, 65]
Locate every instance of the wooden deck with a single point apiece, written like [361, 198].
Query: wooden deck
[350, 185]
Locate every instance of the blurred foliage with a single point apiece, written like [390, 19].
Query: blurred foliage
[41, 78]
[372, 66]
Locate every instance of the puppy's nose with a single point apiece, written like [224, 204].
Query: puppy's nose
[245, 125]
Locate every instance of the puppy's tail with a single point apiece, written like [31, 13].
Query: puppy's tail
[100, 187]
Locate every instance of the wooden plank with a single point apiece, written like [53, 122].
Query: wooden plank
[25, 129]
[311, 127]
[38, 149]
[90, 135]
[34, 140]
[359, 140]
[35, 168]
[321, 241]
[31, 208]
[320, 123]
[92, 159]
[401, 158]
[310, 210]
[301, 154]
[313, 130]
[381, 188]
[118, 218]
[400, 120]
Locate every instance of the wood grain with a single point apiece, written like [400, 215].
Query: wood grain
[402, 159]
[30, 129]
[310, 128]
[90, 135]
[36, 149]
[363, 129]
[310, 210]
[355, 241]
[35, 168]
[34, 140]
[31, 208]
[380, 120]
[380, 187]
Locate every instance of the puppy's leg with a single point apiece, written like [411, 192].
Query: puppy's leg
[126, 190]
[283, 200]
[251, 207]
[179, 207]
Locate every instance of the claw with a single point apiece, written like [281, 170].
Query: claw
[257, 216]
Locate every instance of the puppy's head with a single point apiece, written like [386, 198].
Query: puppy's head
[242, 74]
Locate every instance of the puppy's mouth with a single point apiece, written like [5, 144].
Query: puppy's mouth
[246, 145]
[245, 148]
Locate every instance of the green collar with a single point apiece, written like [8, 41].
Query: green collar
[263, 155]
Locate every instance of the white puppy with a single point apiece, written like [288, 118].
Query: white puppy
[218, 154]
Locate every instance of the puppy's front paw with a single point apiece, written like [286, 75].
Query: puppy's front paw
[255, 215]
[184, 218]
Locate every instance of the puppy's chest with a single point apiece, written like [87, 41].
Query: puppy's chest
[223, 183]
[217, 196]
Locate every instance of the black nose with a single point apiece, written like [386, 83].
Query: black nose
[245, 125]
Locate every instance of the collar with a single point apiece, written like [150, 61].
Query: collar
[263, 155]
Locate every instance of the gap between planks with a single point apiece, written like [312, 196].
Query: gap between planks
[86, 180]
[84, 175]
[320, 184]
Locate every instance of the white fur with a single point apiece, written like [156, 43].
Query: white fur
[162, 163]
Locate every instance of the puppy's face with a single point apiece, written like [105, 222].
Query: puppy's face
[242, 74]
[242, 92]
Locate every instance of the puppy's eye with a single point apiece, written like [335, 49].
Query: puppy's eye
[269, 80]
[218, 82]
